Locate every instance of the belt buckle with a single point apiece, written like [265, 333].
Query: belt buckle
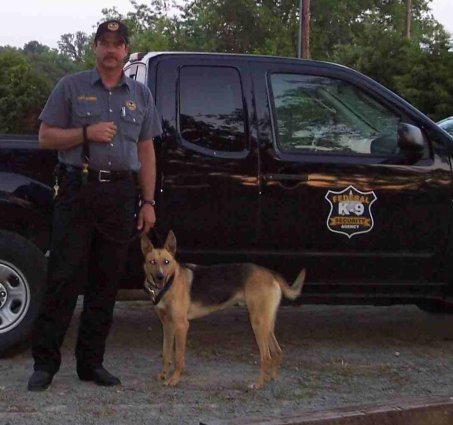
[101, 178]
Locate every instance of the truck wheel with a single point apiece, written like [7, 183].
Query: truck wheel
[436, 307]
[22, 279]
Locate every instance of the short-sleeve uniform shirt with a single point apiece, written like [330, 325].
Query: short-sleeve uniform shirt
[81, 99]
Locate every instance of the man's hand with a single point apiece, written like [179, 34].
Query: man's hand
[101, 132]
[146, 218]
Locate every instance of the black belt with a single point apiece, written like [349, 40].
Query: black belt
[103, 176]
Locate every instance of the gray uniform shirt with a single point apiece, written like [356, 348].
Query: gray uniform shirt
[81, 99]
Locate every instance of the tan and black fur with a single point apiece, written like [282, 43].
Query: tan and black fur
[191, 291]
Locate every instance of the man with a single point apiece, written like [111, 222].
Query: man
[102, 125]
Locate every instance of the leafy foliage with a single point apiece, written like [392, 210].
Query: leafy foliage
[26, 78]
[368, 35]
[76, 46]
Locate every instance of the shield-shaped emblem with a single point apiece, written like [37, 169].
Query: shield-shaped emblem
[350, 211]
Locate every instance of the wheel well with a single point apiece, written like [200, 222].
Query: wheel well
[35, 227]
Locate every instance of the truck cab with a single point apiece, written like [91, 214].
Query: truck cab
[293, 163]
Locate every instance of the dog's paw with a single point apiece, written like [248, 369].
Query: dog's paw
[271, 377]
[172, 382]
[255, 386]
[161, 376]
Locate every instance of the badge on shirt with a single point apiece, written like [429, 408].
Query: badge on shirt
[131, 105]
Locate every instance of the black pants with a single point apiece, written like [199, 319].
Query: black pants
[92, 227]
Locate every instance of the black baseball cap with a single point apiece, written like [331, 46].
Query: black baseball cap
[112, 26]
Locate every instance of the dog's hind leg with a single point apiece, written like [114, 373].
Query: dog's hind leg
[274, 347]
[262, 331]
[262, 298]
[167, 344]
[262, 327]
[276, 355]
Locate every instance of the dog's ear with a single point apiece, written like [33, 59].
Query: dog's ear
[146, 244]
[170, 243]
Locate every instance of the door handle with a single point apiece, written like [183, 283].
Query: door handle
[286, 181]
[300, 178]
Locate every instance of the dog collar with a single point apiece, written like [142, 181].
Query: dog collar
[155, 294]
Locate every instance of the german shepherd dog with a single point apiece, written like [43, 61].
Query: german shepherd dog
[182, 292]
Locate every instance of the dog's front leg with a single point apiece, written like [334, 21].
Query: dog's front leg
[181, 329]
[167, 344]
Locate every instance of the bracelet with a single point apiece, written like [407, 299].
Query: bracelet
[152, 203]
[85, 133]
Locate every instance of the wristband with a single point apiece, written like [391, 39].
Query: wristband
[85, 133]
[152, 203]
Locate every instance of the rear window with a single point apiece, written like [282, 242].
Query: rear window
[211, 108]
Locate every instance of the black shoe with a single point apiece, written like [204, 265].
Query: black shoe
[40, 380]
[99, 375]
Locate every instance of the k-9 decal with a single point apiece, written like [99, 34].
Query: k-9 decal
[350, 211]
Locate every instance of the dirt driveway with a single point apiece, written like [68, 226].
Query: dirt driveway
[333, 356]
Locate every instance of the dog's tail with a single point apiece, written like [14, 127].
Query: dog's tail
[293, 291]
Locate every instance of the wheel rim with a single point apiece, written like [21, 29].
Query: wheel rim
[14, 297]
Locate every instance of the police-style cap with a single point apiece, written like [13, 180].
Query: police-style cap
[112, 26]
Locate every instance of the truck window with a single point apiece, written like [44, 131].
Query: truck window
[320, 114]
[211, 109]
[141, 73]
[136, 72]
[131, 72]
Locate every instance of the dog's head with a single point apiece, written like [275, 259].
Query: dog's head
[160, 264]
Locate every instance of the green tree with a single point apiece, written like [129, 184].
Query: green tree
[48, 62]
[23, 93]
[368, 35]
[416, 68]
[75, 46]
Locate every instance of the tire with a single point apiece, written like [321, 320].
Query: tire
[22, 281]
[437, 307]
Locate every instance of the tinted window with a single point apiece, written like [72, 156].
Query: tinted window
[320, 114]
[211, 110]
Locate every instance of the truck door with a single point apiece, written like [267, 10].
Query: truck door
[209, 165]
[337, 194]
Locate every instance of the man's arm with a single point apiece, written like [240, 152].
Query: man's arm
[147, 179]
[51, 137]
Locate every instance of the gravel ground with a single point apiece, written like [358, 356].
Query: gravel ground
[333, 356]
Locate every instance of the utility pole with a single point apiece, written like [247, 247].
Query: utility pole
[408, 18]
[299, 38]
[303, 50]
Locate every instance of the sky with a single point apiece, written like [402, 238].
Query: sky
[46, 20]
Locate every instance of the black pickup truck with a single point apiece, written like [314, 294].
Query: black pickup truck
[284, 162]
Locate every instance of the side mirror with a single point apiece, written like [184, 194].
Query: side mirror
[411, 141]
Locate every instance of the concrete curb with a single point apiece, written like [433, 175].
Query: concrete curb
[418, 411]
[132, 295]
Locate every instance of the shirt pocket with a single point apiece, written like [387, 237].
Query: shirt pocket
[131, 123]
[86, 112]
